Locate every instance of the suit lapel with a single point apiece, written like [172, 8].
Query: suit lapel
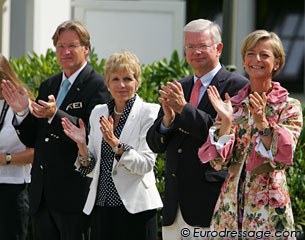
[78, 85]
[98, 137]
[54, 86]
[187, 87]
[133, 120]
[205, 102]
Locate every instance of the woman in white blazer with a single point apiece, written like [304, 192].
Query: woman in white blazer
[123, 197]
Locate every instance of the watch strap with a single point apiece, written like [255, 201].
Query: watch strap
[116, 148]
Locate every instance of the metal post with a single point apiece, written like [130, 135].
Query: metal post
[229, 10]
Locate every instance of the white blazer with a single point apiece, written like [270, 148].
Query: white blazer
[133, 174]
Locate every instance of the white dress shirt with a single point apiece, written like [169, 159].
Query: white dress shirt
[10, 143]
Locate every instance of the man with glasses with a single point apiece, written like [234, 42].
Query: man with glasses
[58, 192]
[191, 188]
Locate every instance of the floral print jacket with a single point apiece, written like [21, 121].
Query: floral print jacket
[257, 178]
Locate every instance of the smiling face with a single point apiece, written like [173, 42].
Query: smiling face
[260, 62]
[201, 52]
[123, 77]
[70, 53]
[122, 86]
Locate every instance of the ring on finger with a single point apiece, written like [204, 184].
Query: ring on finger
[106, 129]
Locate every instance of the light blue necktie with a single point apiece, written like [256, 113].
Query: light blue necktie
[62, 92]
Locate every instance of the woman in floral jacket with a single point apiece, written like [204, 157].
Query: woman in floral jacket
[254, 137]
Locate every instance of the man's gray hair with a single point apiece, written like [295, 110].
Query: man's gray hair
[201, 25]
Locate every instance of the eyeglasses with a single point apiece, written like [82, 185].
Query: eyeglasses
[202, 47]
[70, 47]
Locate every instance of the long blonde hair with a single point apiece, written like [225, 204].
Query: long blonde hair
[7, 73]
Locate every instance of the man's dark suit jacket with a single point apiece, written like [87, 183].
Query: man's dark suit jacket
[53, 174]
[188, 182]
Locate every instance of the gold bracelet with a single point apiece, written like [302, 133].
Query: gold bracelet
[85, 160]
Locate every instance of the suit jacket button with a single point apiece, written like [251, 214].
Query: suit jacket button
[41, 167]
[173, 175]
[114, 172]
[179, 150]
[46, 139]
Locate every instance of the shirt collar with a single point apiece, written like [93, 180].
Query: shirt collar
[72, 78]
[207, 78]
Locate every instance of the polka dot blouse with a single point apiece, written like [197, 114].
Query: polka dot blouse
[107, 194]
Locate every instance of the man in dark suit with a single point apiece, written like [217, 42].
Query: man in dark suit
[58, 192]
[191, 188]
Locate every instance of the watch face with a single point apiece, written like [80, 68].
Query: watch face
[266, 132]
[8, 157]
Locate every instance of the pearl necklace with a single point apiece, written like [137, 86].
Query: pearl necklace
[117, 113]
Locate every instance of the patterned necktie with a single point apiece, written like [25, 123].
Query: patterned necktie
[195, 93]
[62, 92]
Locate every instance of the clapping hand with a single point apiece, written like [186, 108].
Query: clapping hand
[172, 94]
[257, 108]
[107, 131]
[77, 134]
[44, 109]
[17, 98]
[223, 108]
[172, 100]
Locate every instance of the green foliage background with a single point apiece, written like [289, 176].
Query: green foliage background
[33, 69]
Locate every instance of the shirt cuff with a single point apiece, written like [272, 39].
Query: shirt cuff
[164, 129]
[51, 118]
[20, 116]
[260, 148]
[221, 141]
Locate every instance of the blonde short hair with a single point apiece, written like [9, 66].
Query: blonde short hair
[123, 62]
